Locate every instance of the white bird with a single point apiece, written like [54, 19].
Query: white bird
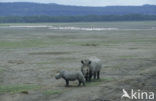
[125, 94]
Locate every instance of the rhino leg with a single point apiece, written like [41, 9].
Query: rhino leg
[95, 75]
[83, 83]
[90, 75]
[79, 83]
[86, 77]
[67, 83]
[98, 75]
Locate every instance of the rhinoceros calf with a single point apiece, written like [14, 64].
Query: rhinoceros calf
[91, 67]
[71, 76]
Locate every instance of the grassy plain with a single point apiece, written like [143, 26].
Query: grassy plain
[31, 56]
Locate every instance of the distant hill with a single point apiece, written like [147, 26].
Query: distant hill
[37, 9]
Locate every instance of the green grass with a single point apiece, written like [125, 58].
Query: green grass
[46, 62]
[21, 44]
[52, 92]
[98, 42]
[1, 70]
[128, 57]
[100, 81]
[151, 40]
[30, 43]
[34, 43]
[3, 24]
[35, 38]
[17, 88]
[117, 67]
[120, 24]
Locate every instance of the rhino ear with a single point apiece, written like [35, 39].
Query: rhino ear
[82, 62]
[89, 62]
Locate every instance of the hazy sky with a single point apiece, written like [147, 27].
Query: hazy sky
[90, 2]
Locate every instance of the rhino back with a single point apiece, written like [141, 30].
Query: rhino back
[71, 75]
[95, 64]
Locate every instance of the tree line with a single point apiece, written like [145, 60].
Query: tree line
[89, 18]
